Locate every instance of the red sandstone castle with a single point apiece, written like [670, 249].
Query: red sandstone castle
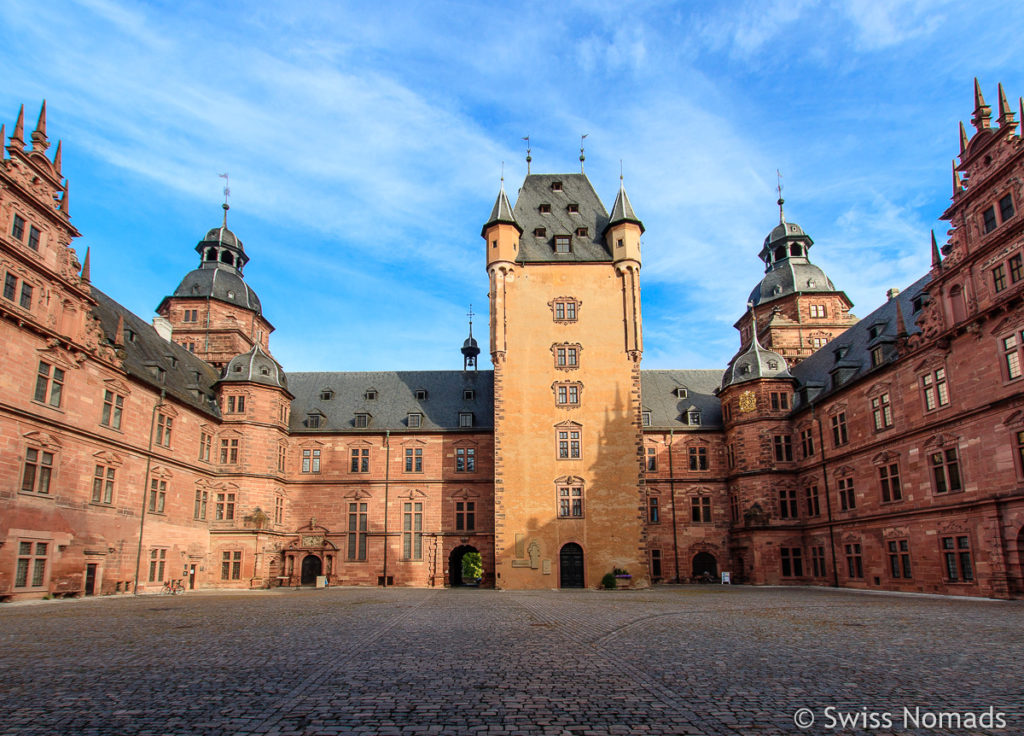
[884, 454]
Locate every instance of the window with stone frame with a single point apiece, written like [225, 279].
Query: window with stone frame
[818, 311]
[565, 309]
[567, 394]
[1019, 445]
[945, 466]
[568, 438]
[412, 530]
[357, 530]
[202, 499]
[413, 459]
[164, 425]
[818, 569]
[651, 462]
[465, 459]
[807, 441]
[567, 357]
[881, 411]
[899, 558]
[103, 483]
[812, 500]
[113, 408]
[783, 446]
[235, 404]
[999, 277]
[229, 451]
[231, 565]
[282, 458]
[854, 561]
[1011, 349]
[697, 456]
[465, 516]
[653, 510]
[310, 460]
[700, 509]
[787, 504]
[359, 460]
[934, 389]
[32, 565]
[49, 384]
[956, 553]
[792, 559]
[1016, 264]
[1005, 207]
[157, 564]
[570, 498]
[18, 227]
[279, 509]
[157, 495]
[988, 219]
[889, 480]
[847, 494]
[37, 471]
[656, 573]
[779, 400]
[224, 506]
[10, 286]
[839, 432]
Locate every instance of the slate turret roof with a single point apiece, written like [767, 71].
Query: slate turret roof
[561, 193]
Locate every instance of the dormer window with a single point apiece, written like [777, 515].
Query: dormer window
[468, 394]
[465, 419]
[544, 208]
[645, 418]
[313, 421]
[773, 365]
[370, 395]
[556, 186]
[264, 371]
[918, 303]
[563, 244]
[413, 420]
[693, 417]
[540, 232]
[582, 232]
[875, 331]
[681, 392]
[811, 283]
[362, 420]
[573, 208]
[841, 351]
[326, 395]
[420, 394]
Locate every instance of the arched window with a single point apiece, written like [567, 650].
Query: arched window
[226, 257]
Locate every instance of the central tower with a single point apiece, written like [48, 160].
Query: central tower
[566, 345]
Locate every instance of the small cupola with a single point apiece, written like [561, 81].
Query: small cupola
[255, 366]
[220, 248]
[754, 363]
[470, 349]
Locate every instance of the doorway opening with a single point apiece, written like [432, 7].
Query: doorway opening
[465, 567]
[90, 579]
[705, 568]
[312, 566]
[570, 566]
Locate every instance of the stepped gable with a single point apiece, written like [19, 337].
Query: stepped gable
[669, 410]
[575, 189]
[395, 400]
[151, 359]
[848, 357]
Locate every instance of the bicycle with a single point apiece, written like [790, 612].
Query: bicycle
[173, 587]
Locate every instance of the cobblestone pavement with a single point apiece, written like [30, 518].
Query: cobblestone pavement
[686, 660]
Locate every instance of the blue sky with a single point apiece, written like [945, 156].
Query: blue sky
[365, 143]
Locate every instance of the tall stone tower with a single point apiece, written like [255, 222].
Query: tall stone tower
[566, 345]
[213, 312]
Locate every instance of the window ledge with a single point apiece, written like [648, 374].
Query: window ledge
[48, 406]
[35, 494]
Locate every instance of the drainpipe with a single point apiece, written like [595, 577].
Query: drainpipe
[387, 478]
[828, 498]
[145, 489]
[672, 498]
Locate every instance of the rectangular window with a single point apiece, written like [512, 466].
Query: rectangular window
[999, 277]
[783, 444]
[847, 496]
[199, 512]
[37, 471]
[357, 531]
[231, 565]
[698, 457]
[730, 456]
[656, 563]
[10, 286]
[989, 218]
[787, 504]
[465, 460]
[157, 562]
[946, 471]
[103, 484]
[653, 512]
[34, 234]
[26, 296]
[818, 310]
[205, 444]
[570, 502]
[229, 451]
[881, 411]
[700, 510]
[113, 406]
[839, 436]
[957, 554]
[282, 458]
[562, 244]
[1011, 357]
[1006, 208]
[311, 461]
[779, 401]
[899, 558]
[278, 510]
[818, 561]
[854, 561]
[807, 442]
[565, 310]
[465, 419]
[412, 531]
[414, 420]
[31, 569]
[362, 420]
[18, 227]
[413, 460]
[813, 501]
[49, 384]
[792, 562]
[360, 460]
[224, 508]
[163, 430]
[889, 476]
[933, 386]
[568, 444]
[652, 459]
[1016, 268]
[465, 516]
[236, 405]
[157, 495]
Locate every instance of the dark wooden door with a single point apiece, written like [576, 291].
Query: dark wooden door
[570, 566]
[311, 567]
[90, 579]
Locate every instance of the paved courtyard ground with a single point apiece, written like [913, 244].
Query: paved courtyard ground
[681, 660]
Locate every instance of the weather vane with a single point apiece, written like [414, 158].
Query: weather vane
[227, 188]
[529, 158]
[778, 175]
[582, 156]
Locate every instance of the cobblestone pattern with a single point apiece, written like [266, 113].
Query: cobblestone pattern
[691, 660]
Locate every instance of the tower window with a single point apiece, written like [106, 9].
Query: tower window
[556, 186]
[540, 232]
[370, 395]
[573, 209]
[226, 257]
[326, 395]
[421, 394]
[582, 232]
[544, 208]
[563, 244]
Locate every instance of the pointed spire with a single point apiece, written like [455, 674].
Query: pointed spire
[119, 332]
[39, 140]
[3, 137]
[85, 266]
[936, 256]
[982, 112]
[958, 186]
[57, 159]
[18, 136]
[622, 210]
[963, 138]
[64, 203]
[501, 212]
[901, 323]
[1006, 117]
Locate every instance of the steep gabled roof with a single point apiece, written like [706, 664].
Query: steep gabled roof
[573, 189]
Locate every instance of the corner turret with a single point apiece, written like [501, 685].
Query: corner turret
[501, 231]
[624, 229]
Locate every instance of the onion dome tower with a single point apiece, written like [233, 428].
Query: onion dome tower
[214, 312]
[470, 349]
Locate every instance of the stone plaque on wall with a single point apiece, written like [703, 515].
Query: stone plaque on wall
[312, 540]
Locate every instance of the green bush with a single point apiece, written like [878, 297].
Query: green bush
[608, 582]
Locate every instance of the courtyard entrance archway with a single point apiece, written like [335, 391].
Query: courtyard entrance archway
[570, 566]
[455, 566]
[312, 566]
[705, 567]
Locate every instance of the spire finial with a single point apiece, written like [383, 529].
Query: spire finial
[963, 138]
[502, 174]
[227, 193]
[529, 158]
[18, 136]
[39, 141]
[936, 257]
[56, 157]
[957, 184]
[470, 315]
[582, 155]
[982, 112]
[621, 183]
[85, 266]
[1007, 119]
[901, 322]
[782, 215]
[64, 202]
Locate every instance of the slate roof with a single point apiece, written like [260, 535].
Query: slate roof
[622, 210]
[219, 283]
[158, 362]
[576, 189]
[396, 399]
[669, 411]
[501, 212]
[847, 358]
[256, 366]
[791, 275]
[754, 363]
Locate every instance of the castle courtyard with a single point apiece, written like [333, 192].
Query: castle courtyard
[671, 660]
